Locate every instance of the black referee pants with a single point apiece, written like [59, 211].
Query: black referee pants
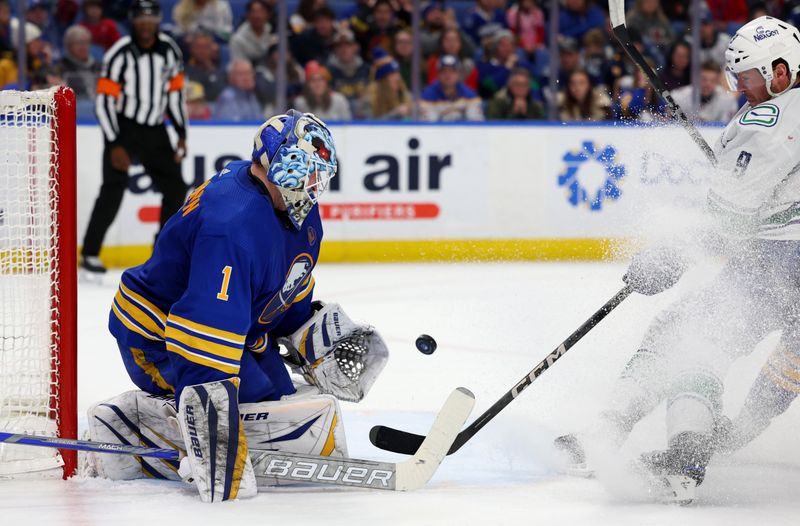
[151, 145]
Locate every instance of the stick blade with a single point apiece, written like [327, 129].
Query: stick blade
[415, 472]
[616, 9]
[395, 440]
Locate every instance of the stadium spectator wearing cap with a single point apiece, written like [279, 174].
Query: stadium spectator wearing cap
[448, 61]
[315, 68]
[449, 99]
[350, 72]
[384, 65]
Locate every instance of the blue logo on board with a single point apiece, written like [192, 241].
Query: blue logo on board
[602, 160]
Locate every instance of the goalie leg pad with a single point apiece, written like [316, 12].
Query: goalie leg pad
[134, 418]
[216, 448]
[310, 425]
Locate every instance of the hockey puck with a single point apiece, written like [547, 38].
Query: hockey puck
[426, 344]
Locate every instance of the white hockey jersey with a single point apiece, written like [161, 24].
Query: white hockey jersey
[756, 187]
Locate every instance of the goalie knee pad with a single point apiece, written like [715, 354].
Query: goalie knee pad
[134, 418]
[341, 357]
[216, 448]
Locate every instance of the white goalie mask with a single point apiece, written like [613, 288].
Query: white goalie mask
[340, 357]
[759, 43]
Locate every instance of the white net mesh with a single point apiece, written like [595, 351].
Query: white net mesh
[28, 301]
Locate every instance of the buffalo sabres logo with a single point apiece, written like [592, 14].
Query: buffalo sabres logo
[312, 236]
[299, 274]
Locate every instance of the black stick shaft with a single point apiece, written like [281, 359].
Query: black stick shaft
[621, 33]
[399, 441]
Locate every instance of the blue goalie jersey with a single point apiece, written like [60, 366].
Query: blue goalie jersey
[228, 275]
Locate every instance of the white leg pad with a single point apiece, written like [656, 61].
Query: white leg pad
[310, 425]
[135, 418]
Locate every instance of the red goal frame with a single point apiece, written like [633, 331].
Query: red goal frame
[64, 308]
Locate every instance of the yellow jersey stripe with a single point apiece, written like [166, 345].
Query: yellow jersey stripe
[225, 351]
[144, 303]
[206, 330]
[202, 360]
[130, 325]
[304, 293]
[150, 369]
[260, 345]
[330, 443]
[138, 314]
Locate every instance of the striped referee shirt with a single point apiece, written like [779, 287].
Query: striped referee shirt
[141, 84]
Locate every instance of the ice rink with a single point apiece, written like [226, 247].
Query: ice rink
[493, 323]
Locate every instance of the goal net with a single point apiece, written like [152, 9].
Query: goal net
[37, 278]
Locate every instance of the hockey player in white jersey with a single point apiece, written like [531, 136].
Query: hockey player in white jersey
[754, 206]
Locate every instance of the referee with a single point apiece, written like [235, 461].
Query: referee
[142, 78]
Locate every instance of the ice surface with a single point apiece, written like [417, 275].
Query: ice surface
[492, 322]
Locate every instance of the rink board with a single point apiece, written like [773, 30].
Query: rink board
[449, 192]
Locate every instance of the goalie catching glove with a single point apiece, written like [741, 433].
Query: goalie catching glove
[337, 355]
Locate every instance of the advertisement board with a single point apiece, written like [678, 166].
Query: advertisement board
[448, 191]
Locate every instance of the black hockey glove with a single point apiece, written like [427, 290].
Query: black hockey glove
[654, 270]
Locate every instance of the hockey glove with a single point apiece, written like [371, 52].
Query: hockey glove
[341, 357]
[654, 270]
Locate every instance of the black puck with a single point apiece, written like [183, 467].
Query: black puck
[426, 344]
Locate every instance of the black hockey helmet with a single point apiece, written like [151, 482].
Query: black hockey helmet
[141, 8]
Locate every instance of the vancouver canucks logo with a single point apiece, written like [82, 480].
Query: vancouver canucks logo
[591, 159]
[299, 271]
[762, 33]
[762, 115]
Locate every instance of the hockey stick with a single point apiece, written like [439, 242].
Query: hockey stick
[272, 466]
[86, 445]
[616, 9]
[407, 443]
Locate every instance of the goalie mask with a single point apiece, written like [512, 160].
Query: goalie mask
[298, 153]
[340, 357]
[759, 43]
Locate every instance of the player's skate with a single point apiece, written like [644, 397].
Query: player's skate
[575, 456]
[92, 270]
[674, 474]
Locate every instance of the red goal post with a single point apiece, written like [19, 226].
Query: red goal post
[38, 277]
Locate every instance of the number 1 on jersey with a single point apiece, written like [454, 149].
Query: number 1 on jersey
[226, 280]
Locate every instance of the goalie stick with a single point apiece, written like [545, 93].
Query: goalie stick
[272, 466]
[616, 9]
[407, 443]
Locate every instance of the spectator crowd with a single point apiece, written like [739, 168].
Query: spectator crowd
[483, 59]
